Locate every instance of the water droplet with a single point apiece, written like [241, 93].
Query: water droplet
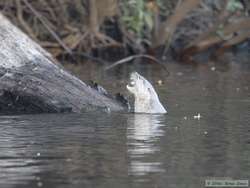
[213, 68]
[39, 184]
[38, 178]
[159, 82]
[197, 116]
[68, 159]
[179, 73]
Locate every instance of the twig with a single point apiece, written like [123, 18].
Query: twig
[130, 58]
[49, 9]
[22, 22]
[39, 16]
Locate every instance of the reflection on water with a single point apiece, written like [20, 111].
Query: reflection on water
[144, 131]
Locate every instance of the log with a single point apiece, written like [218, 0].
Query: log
[32, 81]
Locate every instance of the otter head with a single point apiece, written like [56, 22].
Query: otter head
[146, 99]
[138, 86]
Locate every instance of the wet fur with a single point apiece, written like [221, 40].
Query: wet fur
[146, 99]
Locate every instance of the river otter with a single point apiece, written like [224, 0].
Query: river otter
[146, 99]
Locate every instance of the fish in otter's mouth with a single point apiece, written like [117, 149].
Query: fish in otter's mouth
[146, 98]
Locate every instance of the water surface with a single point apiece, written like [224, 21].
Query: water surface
[138, 150]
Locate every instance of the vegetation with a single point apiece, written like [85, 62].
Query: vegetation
[79, 27]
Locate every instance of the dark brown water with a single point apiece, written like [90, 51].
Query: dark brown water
[138, 150]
